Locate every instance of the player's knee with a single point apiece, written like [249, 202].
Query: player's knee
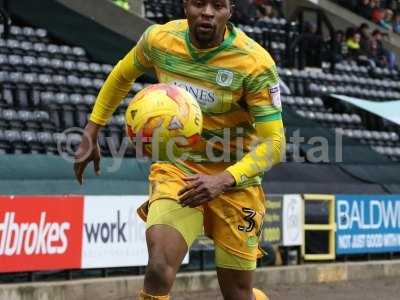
[159, 272]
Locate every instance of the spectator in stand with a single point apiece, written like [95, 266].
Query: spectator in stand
[349, 33]
[122, 3]
[395, 5]
[365, 38]
[365, 9]
[377, 12]
[245, 12]
[353, 45]
[396, 23]
[312, 44]
[387, 21]
[385, 13]
[269, 10]
[339, 47]
[381, 56]
[264, 14]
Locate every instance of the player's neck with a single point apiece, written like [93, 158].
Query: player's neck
[207, 45]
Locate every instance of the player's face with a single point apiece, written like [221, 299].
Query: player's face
[207, 20]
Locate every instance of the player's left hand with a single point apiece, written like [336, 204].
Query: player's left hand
[203, 188]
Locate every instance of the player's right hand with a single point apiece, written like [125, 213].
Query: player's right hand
[88, 151]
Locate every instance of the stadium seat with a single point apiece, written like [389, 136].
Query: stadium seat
[47, 142]
[80, 109]
[3, 122]
[17, 142]
[30, 138]
[5, 146]
[12, 119]
[4, 63]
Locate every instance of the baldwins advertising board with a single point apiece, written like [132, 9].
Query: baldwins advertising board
[367, 224]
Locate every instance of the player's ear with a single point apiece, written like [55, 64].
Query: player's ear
[232, 7]
[184, 6]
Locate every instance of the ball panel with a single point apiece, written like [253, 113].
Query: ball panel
[167, 115]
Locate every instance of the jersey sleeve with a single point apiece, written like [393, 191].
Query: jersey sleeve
[268, 153]
[262, 92]
[141, 55]
[262, 96]
[121, 78]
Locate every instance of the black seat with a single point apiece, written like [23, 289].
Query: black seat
[47, 141]
[3, 47]
[57, 65]
[60, 140]
[28, 119]
[43, 118]
[67, 52]
[40, 49]
[31, 64]
[5, 146]
[6, 88]
[115, 130]
[49, 103]
[14, 47]
[78, 51]
[31, 140]
[32, 80]
[4, 63]
[42, 35]
[75, 84]
[13, 120]
[106, 69]
[103, 144]
[95, 69]
[27, 49]
[3, 122]
[54, 51]
[30, 34]
[82, 105]
[65, 110]
[18, 145]
[44, 64]
[89, 86]
[83, 68]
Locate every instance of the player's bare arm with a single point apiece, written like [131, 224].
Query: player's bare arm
[88, 151]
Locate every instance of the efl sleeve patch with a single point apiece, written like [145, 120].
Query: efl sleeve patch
[275, 93]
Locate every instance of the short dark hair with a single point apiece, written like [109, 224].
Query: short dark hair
[376, 31]
[231, 2]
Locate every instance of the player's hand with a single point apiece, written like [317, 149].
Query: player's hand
[88, 151]
[203, 188]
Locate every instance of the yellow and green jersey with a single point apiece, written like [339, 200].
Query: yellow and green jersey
[236, 85]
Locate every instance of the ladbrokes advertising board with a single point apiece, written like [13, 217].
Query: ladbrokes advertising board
[40, 233]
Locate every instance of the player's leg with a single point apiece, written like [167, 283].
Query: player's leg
[235, 284]
[167, 249]
[235, 276]
[171, 230]
[234, 222]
